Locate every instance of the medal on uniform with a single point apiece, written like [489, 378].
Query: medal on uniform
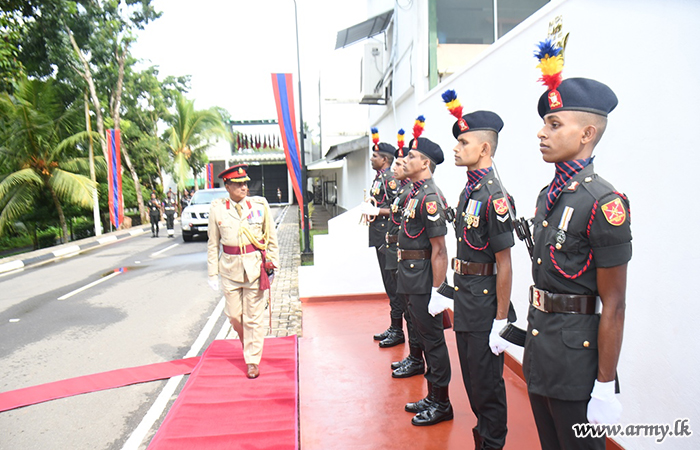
[375, 187]
[410, 210]
[473, 209]
[395, 205]
[561, 238]
[566, 218]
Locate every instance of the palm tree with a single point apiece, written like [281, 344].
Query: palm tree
[38, 139]
[189, 136]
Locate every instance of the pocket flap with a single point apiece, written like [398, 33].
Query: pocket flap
[580, 338]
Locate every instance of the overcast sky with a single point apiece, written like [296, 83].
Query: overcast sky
[231, 47]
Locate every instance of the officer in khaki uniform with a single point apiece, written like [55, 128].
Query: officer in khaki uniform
[249, 254]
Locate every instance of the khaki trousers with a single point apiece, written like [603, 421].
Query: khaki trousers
[245, 307]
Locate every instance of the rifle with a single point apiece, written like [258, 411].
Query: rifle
[522, 225]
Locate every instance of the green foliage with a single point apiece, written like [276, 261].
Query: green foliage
[189, 136]
[39, 143]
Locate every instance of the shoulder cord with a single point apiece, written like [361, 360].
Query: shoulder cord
[249, 234]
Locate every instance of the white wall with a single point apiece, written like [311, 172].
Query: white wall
[647, 52]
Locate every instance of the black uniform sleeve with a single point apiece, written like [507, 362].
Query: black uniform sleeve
[434, 214]
[610, 233]
[500, 224]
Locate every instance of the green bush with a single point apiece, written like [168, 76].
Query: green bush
[83, 229]
[47, 238]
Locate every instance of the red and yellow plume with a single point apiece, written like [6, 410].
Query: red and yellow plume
[452, 103]
[418, 127]
[550, 54]
[399, 138]
[375, 136]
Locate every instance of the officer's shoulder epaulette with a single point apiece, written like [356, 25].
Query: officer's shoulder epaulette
[258, 199]
[597, 186]
[218, 201]
[493, 186]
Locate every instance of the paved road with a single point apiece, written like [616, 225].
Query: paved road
[151, 312]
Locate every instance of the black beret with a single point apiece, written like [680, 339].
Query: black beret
[478, 120]
[401, 152]
[237, 173]
[383, 147]
[578, 94]
[428, 148]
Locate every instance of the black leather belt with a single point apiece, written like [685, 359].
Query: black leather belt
[471, 268]
[563, 303]
[414, 254]
[392, 238]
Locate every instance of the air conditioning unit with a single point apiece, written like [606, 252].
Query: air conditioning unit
[372, 75]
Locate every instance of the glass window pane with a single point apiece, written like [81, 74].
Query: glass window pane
[465, 22]
[512, 12]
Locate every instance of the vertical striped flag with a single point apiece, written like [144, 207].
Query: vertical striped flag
[284, 98]
[210, 176]
[114, 178]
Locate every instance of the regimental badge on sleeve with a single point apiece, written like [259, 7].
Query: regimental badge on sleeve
[392, 184]
[614, 212]
[431, 207]
[500, 206]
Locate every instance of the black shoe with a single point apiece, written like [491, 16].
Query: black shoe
[396, 364]
[394, 338]
[418, 406]
[412, 367]
[383, 335]
[438, 411]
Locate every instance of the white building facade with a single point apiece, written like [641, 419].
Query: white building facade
[648, 53]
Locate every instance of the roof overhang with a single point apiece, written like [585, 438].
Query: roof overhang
[340, 151]
[257, 158]
[325, 165]
[364, 30]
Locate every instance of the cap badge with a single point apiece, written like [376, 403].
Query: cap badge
[463, 126]
[554, 99]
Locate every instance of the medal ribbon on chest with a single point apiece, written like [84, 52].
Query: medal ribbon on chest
[410, 210]
[473, 209]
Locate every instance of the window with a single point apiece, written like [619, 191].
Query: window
[512, 12]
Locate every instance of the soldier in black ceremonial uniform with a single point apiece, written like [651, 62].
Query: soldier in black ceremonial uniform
[422, 259]
[582, 247]
[383, 191]
[483, 275]
[155, 209]
[413, 363]
[170, 208]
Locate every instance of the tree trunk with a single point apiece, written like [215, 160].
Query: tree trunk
[87, 76]
[59, 210]
[196, 181]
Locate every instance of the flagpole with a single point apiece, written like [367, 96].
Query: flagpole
[305, 206]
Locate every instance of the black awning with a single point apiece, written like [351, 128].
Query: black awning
[367, 29]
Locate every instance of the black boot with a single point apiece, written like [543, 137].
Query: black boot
[395, 336]
[396, 364]
[421, 404]
[415, 351]
[438, 411]
[413, 366]
[383, 335]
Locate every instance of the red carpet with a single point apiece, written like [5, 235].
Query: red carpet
[95, 382]
[350, 402]
[220, 408]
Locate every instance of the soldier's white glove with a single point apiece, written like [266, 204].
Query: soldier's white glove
[369, 209]
[214, 282]
[438, 303]
[496, 342]
[604, 407]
